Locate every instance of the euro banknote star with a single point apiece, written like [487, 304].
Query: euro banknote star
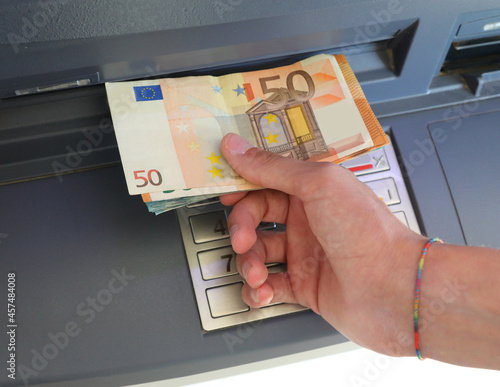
[193, 147]
[215, 172]
[271, 118]
[217, 89]
[271, 138]
[183, 128]
[214, 159]
[239, 90]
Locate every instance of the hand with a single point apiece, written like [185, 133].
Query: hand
[348, 257]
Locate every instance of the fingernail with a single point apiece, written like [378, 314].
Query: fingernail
[237, 145]
[245, 268]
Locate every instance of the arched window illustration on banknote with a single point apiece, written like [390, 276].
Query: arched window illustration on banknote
[285, 124]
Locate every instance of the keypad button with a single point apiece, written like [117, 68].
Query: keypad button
[226, 300]
[385, 190]
[375, 161]
[402, 217]
[217, 263]
[209, 227]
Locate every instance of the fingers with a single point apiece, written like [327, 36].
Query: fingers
[276, 289]
[266, 168]
[232, 198]
[262, 288]
[257, 298]
[255, 207]
[269, 248]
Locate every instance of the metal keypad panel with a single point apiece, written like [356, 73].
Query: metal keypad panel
[212, 261]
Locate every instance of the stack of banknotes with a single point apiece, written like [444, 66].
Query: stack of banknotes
[169, 130]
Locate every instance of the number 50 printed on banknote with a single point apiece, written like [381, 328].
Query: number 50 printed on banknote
[169, 130]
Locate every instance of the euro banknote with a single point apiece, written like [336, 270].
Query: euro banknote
[169, 130]
[159, 202]
[161, 206]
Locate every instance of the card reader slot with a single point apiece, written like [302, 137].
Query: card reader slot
[475, 43]
[472, 55]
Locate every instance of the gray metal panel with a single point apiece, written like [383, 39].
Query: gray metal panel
[55, 133]
[468, 151]
[441, 203]
[67, 241]
[427, 184]
[130, 39]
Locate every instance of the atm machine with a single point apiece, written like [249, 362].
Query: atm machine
[109, 294]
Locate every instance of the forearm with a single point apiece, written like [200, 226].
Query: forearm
[459, 313]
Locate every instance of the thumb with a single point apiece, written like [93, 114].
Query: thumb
[268, 169]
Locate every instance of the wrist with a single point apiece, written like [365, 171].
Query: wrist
[441, 298]
[405, 257]
[460, 311]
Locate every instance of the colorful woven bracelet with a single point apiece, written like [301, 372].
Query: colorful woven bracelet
[417, 293]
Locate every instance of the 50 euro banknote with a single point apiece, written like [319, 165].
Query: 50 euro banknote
[169, 130]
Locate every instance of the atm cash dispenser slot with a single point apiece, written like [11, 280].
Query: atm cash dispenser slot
[64, 126]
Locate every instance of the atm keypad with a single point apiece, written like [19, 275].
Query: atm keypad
[212, 263]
